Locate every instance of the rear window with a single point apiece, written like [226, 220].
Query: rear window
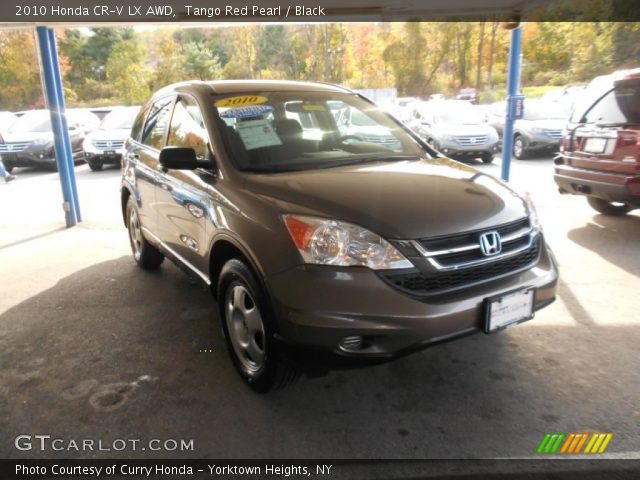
[621, 105]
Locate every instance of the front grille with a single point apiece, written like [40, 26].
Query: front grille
[384, 140]
[418, 283]
[472, 140]
[14, 147]
[556, 134]
[449, 242]
[108, 144]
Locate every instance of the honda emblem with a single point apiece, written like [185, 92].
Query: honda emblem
[490, 243]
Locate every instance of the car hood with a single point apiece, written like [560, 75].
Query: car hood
[120, 134]
[400, 200]
[550, 124]
[27, 136]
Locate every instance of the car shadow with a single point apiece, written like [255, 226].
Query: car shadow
[613, 238]
[114, 352]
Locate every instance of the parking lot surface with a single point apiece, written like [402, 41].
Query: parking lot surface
[92, 347]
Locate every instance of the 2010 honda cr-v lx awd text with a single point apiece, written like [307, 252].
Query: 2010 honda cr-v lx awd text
[312, 240]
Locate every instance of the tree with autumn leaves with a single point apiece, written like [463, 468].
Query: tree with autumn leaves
[123, 66]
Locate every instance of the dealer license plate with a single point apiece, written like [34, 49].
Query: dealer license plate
[509, 309]
[595, 145]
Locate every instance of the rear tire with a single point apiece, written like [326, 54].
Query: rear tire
[248, 327]
[146, 255]
[95, 166]
[608, 208]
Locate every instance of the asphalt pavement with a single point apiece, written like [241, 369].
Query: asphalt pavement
[92, 347]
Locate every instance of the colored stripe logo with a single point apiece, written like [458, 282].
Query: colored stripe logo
[574, 443]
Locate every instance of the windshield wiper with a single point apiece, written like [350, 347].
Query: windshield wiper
[377, 158]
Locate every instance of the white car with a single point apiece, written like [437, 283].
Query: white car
[105, 144]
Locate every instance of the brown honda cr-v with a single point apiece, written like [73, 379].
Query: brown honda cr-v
[354, 240]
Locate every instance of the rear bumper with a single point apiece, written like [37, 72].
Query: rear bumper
[316, 307]
[610, 187]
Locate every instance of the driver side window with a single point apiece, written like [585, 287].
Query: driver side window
[187, 127]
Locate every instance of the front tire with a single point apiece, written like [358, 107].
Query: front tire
[609, 208]
[146, 255]
[248, 327]
[519, 147]
[8, 167]
[95, 166]
[487, 158]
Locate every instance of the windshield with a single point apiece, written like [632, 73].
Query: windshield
[286, 131]
[543, 111]
[39, 121]
[458, 114]
[119, 120]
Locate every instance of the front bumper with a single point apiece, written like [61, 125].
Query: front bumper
[114, 157]
[452, 149]
[318, 306]
[30, 158]
[542, 142]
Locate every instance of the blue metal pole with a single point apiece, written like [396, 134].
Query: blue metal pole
[513, 83]
[56, 124]
[67, 143]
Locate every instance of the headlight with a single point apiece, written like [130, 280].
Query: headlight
[446, 136]
[533, 213]
[537, 130]
[330, 242]
[41, 141]
[87, 143]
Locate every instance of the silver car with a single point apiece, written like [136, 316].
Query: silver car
[456, 128]
[540, 129]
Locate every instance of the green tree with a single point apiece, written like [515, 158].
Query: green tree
[127, 73]
[200, 62]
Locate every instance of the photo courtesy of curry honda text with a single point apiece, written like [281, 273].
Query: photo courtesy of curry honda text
[359, 247]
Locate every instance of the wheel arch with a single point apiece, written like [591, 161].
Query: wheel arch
[225, 247]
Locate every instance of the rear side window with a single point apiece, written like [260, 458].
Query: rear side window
[187, 127]
[156, 125]
[628, 99]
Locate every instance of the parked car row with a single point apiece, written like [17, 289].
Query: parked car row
[26, 140]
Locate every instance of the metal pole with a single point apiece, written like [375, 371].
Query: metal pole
[56, 124]
[67, 142]
[513, 83]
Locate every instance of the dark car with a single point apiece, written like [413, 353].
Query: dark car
[105, 144]
[28, 142]
[317, 242]
[600, 154]
[539, 131]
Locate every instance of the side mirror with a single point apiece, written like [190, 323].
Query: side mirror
[179, 158]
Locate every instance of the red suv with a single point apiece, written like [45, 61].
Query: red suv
[600, 154]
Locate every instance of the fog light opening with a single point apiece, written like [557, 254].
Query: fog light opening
[352, 343]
